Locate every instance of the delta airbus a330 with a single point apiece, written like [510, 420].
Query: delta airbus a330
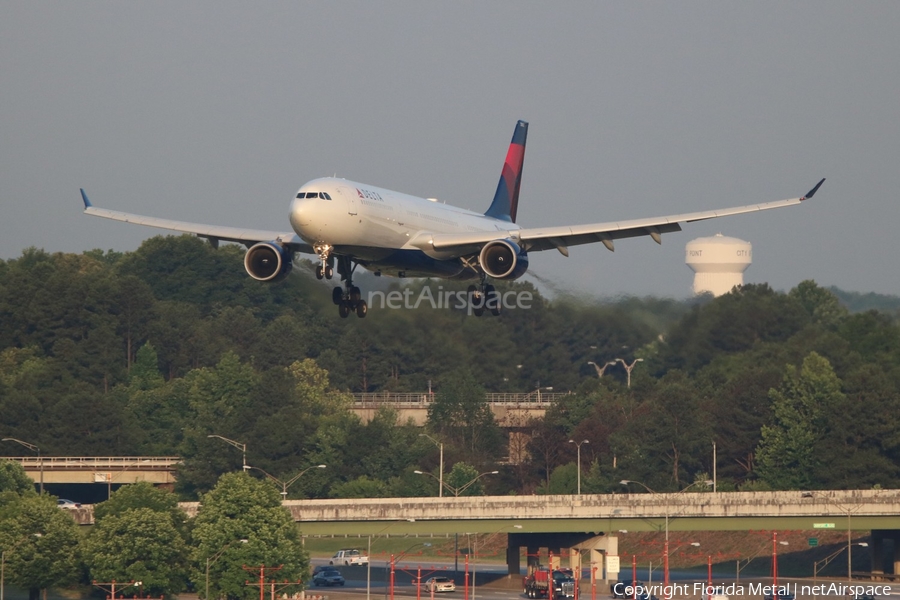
[351, 224]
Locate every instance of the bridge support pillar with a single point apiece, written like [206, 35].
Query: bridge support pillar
[896, 538]
[877, 551]
[513, 561]
[574, 545]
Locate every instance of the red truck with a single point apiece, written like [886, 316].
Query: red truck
[537, 584]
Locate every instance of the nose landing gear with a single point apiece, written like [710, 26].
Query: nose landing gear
[324, 270]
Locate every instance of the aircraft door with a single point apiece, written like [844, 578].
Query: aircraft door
[349, 196]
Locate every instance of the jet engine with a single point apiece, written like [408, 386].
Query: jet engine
[503, 259]
[268, 261]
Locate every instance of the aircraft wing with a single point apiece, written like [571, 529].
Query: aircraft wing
[546, 238]
[213, 233]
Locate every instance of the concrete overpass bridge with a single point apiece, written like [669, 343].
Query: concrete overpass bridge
[112, 470]
[568, 525]
[511, 410]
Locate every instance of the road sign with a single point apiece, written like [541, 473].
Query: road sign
[612, 564]
[823, 525]
[813, 541]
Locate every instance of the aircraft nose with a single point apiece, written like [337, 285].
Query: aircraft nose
[301, 212]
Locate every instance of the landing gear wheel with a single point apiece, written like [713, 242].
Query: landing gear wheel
[319, 272]
[492, 300]
[337, 294]
[329, 272]
[476, 301]
[344, 310]
[355, 295]
[362, 309]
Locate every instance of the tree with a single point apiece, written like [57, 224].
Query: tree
[13, 478]
[460, 415]
[44, 539]
[139, 544]
[243, 508]
[141, 495]
[786, 457]
[361, 487]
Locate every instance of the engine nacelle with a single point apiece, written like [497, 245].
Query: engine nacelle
[268, 261]
[503, 259]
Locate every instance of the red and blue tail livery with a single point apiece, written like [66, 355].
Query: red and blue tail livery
[506, 200]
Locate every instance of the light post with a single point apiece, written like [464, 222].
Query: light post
[109, 480]
[539, 388]
[578, 447]
[750, 559]
[286, 484]
[475, 553]
[667, 498]
[3, 560]
[456, 491]
[849, 512]
[369, 556]
[238, 445]
[821, 564]
[33, 448]
[211, 560]
[441, 471]
[629, 368]
[600, 370]
[396, 559]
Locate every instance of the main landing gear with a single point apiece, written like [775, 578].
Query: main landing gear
[483, 297]
[349, 298]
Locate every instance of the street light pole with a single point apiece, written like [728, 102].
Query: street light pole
[441, 471]
[600, 370]
[668, 499]
[238, 445]
[33, 448]
[578, 447]
[285, 484]
[628, 368]
[458, 490]
[214, 558]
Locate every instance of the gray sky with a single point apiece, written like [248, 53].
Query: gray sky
[218, 111]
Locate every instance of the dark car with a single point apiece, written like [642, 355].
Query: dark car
[328, 576]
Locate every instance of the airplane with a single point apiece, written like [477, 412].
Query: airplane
[353, 224]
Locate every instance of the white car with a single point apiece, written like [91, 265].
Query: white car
[440, 584]
[718, 594]
[67, 504]
[349, 557]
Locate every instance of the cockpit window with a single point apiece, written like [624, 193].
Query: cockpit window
[326, 195]
[323, 195]
[312, 194]
[301, 195]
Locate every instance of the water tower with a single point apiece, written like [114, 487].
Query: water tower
[718, 263]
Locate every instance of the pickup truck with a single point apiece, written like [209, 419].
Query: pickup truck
[349, 556]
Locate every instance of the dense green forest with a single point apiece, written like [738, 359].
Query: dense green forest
[150, 352]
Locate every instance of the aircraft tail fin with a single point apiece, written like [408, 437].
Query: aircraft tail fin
[506, 199]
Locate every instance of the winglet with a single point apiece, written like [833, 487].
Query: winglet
[812, 192]
[87, 203]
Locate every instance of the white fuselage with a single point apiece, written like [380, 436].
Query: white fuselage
[382, 228]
